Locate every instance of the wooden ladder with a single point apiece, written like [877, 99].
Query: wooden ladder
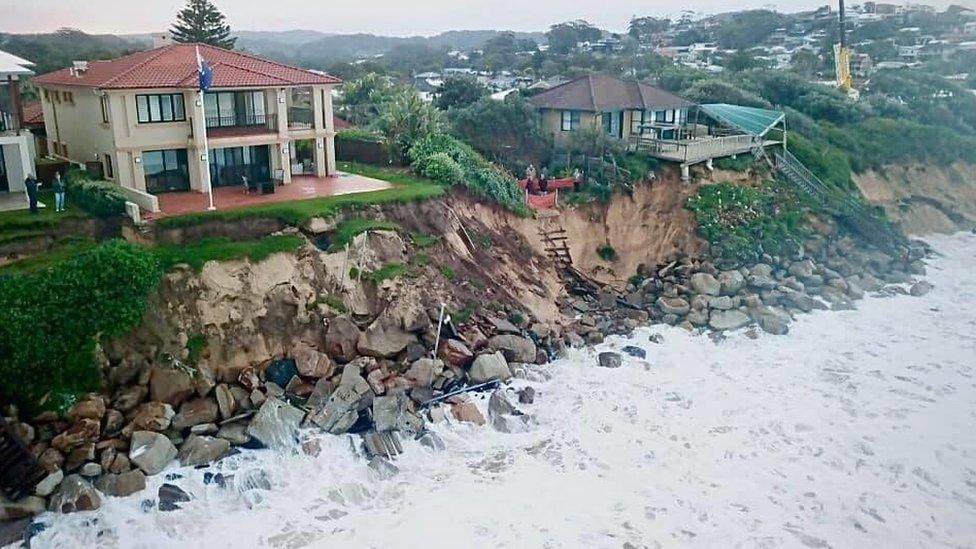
[555, 241]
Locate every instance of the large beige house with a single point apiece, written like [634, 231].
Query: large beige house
[141, 121]
[620, 108]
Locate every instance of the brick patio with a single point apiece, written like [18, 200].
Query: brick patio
[301, 187]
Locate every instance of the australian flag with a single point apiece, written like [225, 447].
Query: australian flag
[205, 72]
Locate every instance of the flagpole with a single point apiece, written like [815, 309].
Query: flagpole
[204, 83]
[206, 151]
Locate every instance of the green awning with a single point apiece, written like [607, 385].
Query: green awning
[750, 120]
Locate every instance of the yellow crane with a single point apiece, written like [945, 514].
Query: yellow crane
[842, 57]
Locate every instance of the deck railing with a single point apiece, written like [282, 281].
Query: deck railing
[694, 151]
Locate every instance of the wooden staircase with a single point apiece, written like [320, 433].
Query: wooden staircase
[555, 240]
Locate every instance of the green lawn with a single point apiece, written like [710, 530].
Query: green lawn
[23, 224]
[225, 249]
[407, 188]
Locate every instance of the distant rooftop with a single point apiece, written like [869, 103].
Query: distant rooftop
[10, 64]
[175, 66]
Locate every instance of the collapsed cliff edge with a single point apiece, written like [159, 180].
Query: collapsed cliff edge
[400, 325]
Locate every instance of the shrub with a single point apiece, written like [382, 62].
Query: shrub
[607, 252]
[431, 154]
[51, 321]
[443, 169]
[98, 198]
[358, 134]
[742, 223]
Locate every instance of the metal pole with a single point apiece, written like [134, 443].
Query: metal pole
[206, 150]
[440, 323]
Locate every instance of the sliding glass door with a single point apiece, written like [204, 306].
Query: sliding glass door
[166, 171]
[238, 108]
[229, 165]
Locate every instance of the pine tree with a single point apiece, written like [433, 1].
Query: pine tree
[201, 21]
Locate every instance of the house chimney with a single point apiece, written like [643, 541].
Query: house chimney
[160, 39]
[78, 68]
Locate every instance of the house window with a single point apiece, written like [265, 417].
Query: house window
[47, 96]
[104, 103]
[166, 107]
[664, 116]
[69, 97]
[570, 120]
[636, 122]
[109, 171]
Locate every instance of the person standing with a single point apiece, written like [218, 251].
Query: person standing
[31, 184]
[544, 180]
[57, 184]
[577, 180]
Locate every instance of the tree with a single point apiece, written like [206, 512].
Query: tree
[405, 119]
[564, 36]
[643, 29]
[459, 92]
[201, 21]
[508, 132]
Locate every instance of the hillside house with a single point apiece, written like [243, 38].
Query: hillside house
[139, 120]
[16, 142]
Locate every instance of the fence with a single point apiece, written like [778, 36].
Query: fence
[694, 151]
[366, 152]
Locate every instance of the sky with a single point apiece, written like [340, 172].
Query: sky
[387, 17]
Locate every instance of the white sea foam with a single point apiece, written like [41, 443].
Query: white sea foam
[856, 430]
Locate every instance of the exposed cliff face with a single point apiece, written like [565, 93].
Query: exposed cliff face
[645, 226]
[924, 199]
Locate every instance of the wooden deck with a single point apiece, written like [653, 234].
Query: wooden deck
[697, 150]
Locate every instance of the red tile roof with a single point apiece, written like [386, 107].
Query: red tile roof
[33, 114]
[602, 92]
[175, 66]
[339, 123]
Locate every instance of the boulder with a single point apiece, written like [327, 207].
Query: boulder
[195, 412]
[385, 337]
[311, 362]
[276, 424]
[280, 371]
[90, 470]
[455, 353]
[489, 366]
[390, 413]
[153, 416]
[130, 397]
[151, 451]
[762, 282]
[121, 485]
[515, 348]
[423, 371]
[503, 326]
[673, 306]
[635, 351]
[226, 403]
[526, 395]
[341, 338]
[83, 431]
[78, 456]
[728, 320]
[92, 407]
[170, 385]
[609, 359]
[75, 494]
[731, 282]
[801, 301]
[698, 318]
[235, 433]
[921, 288]
[201, 450]
[341, 410]
[170, 496]
[47, 485]
[802, 269]
[723, 303]
[468, 412]
[113, 422]
[704, 283]
[378, 248]
[772, 319]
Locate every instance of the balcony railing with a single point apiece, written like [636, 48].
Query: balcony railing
[241, 124]
[301, 118]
